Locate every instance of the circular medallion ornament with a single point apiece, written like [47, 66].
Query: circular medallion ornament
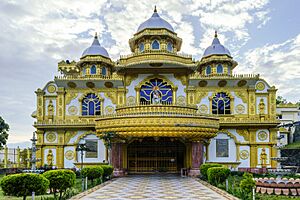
[244, 154]
[242, 83]
[90, 84]
[181, 100]
[109, 110]
[260, 86]
[222, 83]
[71, 84]
[72, 110]
[51, 88]
[108, 84]
[240, 109]
[202, 83]
[131, 100]
[69, 155]
[51, 137]
[203, 109]
[262, 135]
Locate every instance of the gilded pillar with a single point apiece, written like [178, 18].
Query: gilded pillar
[18, 157]
[28, 158]
[40, 105]
[272, 102]
[60, 157]
[253, 148]
[252, 101]
[191, 95]
[60, 103]
[5, 156]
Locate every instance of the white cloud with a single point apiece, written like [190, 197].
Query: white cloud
[278, 64]
[36, 34]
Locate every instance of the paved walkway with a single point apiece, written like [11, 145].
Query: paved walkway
[154, 187]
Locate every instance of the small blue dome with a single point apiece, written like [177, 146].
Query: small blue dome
[155, 22]
[95, 49]
[216, 48]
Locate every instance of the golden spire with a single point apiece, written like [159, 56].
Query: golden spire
[155, 9]
[216, 34]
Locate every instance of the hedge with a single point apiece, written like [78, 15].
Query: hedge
[217, 175]
[107, 171]
[205, 167]
[22, 185]
[92, 173]
[60, 180]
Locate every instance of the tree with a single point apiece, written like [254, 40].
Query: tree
[4, 127]
[280, 100]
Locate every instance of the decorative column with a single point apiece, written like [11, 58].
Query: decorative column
[197, 158]
[18, 157]
[5, 156]
[117, 159]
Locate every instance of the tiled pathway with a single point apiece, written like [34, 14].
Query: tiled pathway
[154, 187]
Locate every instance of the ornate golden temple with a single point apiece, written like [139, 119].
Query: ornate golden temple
[156, 110]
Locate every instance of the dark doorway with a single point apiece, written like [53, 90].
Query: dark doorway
[149, 155]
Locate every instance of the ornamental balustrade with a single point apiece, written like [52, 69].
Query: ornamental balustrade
[224, 76]
[14, 157]
[89, 77]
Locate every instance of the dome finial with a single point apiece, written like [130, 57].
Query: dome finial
[216, 34]
[155, 9]
[96, 36]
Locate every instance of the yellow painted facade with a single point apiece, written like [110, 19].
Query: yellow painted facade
[189, 116]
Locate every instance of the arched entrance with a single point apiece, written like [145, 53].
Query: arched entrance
[151, 155]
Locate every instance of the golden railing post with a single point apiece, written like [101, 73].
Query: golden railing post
[28, 158]
[18, 157]
[5, 156]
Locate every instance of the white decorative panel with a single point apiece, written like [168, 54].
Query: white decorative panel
[50, 137]
[244, 155]
[69, 157]
[262, 135]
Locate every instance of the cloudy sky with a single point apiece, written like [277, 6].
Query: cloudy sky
[262, 35]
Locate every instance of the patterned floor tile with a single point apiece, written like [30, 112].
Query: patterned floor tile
[154, 187]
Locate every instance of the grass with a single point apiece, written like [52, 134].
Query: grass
[294, 145]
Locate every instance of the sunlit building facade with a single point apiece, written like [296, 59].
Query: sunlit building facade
[156, 110]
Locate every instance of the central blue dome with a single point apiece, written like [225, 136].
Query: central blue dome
[216, 48]
[95, 49]
[155, 22]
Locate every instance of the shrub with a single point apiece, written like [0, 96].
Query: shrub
[24, 184]
[247, 183]
[205, 167]
[108, 170]
[92, 173]
[60, 180]
[217, 175]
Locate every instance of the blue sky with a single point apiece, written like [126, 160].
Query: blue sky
[262, 35]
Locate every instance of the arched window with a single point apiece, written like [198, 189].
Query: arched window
[221, 104]
[103, 71]
[170, 47]
[155, 44]
[141, 47]
[156, 91]
[93, 69]
[219, 69]
[208, 70]
[91, 105]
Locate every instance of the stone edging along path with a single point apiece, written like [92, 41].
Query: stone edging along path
[218, 190]
[82, 194]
